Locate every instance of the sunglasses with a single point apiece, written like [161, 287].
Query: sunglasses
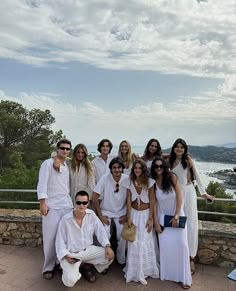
[159, 166]
[81, 202]
[63, 148]
[117, 188]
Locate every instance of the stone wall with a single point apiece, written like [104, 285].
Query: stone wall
[217, 241]
[217, 244]
[20, 227]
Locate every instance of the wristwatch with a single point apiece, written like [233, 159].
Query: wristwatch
[108, 245]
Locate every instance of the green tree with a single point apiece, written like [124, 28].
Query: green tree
[25, 131]
[215, 189]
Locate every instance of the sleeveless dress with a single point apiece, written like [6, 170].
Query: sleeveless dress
[142, 254]
[173, 244]
[189, 197]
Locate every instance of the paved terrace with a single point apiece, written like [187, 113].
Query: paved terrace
[20, 269]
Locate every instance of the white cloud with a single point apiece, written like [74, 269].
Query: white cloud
[205, 119]
[181, 37]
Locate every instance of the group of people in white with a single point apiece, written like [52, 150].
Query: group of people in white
[83, 202]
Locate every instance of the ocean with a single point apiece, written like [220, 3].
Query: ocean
[203, 167]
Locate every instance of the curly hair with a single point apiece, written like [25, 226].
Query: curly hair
[144, 176]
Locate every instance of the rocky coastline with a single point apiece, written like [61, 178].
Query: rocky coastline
[228, 178]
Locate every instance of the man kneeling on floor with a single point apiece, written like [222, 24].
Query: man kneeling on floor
[74, 243]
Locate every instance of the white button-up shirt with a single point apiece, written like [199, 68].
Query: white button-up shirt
[101, 167]
[72, 238]
[54, 186]
[113, 204]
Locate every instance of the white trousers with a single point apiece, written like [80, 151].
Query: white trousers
[50, 224]
[93, 255]
[121, 243]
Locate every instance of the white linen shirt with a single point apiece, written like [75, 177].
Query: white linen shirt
[101, 167]
[112, 204]
[54, 186]
[72, 238]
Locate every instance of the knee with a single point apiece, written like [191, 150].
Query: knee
[69, 280]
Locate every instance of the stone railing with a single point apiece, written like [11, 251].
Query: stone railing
[217, 241]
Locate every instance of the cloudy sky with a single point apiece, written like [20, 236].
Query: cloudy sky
[123, 69]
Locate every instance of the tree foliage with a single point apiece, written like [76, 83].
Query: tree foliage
[215, 189]
[25, 131]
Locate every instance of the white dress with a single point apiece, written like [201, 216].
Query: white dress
[142, 254]
[190, 204]
[173, 244]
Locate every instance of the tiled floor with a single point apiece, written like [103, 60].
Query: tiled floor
[20, 269]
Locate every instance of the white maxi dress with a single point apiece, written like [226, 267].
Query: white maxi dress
[189, 198]
[143, 253]
[173, 244]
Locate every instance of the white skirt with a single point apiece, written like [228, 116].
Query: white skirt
[190, 210]
[174, 255]
[143, 253]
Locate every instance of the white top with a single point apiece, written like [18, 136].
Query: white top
[166, 204]
[54, 186]
[71, 238]
[101, 167]
[143, 196]
[79, 180]
[112, 204]
[183, 176]
[149, 164]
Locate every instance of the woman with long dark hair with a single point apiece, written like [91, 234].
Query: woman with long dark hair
[152, 150]
[142, 253]
[183, 166]
[173, 244]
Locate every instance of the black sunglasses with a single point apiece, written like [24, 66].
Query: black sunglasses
[159, 166]
[81, 202]
[63, 148]
[117, 188]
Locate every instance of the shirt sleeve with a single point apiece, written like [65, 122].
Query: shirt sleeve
[201, 188]
[42, 187]
[100, 232]
[99, 188]
[61, 240]
[151, 182]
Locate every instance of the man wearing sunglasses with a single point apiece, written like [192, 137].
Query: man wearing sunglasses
[55, 201]
[109, 199]
[74, 243]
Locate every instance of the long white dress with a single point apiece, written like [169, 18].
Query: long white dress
[189, 197]
[142, 254]
[173, 244]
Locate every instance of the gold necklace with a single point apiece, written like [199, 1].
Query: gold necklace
[137, 184]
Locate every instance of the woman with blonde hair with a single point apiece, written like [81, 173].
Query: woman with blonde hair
[81, 171]
[126, 155]
[142, 252]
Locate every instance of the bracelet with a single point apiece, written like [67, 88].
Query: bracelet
[108, 245]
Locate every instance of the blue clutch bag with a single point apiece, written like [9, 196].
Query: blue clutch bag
[167, 219]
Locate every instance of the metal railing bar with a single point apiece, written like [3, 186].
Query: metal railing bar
[216, 213]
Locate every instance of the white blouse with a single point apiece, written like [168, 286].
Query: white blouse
[143, 196]
[183, 176]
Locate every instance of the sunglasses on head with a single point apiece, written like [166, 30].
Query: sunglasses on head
[159, 166]
[63, 148]
[117, 188]
[81, 202]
